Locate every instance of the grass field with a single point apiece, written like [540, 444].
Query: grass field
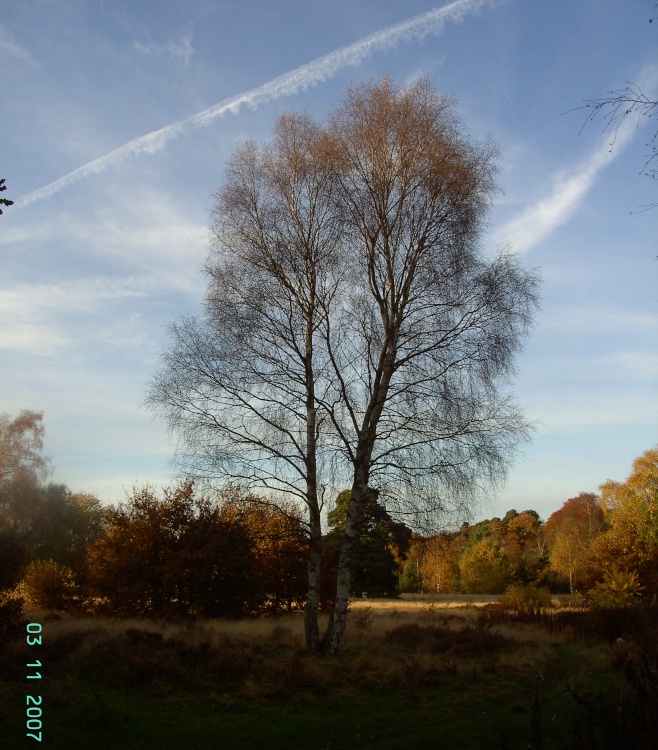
[424, 673]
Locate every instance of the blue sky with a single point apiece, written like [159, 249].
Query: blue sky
[118, 118]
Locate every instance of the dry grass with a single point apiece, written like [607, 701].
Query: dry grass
[374, 617]
[383, 614]
[404, 644]
[388, 644]
[407, 655]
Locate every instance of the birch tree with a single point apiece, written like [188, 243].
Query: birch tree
[240, 386]
[21, 443]
[353, 333]
[425, 340]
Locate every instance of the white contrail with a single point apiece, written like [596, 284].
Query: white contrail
[537, 221]
[299, 79]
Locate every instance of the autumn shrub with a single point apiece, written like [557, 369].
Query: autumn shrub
[48, 584]
[619, 588]
[186, 555]
[519, 596]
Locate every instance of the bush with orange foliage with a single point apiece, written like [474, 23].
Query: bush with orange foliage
[187, 554]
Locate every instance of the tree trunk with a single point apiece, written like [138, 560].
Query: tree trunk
[362, 461]
[313, 601]
[338, 618]
[315, 525]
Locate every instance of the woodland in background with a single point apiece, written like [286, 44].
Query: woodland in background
[231, 554]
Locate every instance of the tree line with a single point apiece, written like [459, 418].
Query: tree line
[604, 546]
[178, 553]
[185, 553]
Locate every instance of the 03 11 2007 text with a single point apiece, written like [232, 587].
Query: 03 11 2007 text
[34, 710]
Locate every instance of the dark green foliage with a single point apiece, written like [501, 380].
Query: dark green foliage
[39, 521]
[381, 545]
[46, 522]
[66, 526]
[13, 556]
[410, 580]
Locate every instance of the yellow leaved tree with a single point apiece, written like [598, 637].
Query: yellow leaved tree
[631, 512]
[484, 568]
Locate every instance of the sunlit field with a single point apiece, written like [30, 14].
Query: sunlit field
[454, 672]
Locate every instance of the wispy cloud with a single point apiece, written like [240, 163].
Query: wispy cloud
[182, 50]
[579, 418]
[594, 319]
[32, 316]
[9, 49]
[292, 82]
[33, 338]
[155, 234]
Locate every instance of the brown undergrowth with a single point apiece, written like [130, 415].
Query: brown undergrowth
[386, 647]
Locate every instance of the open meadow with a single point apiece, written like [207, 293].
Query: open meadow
[415, 672]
